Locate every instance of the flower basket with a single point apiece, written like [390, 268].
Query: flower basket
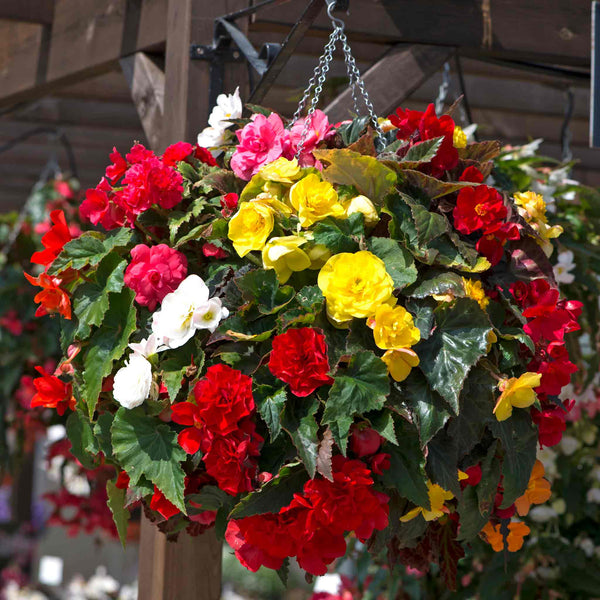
[307, 338]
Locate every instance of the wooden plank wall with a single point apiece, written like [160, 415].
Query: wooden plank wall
[97, 113]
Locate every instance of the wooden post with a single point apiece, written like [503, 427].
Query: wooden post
[189, 569]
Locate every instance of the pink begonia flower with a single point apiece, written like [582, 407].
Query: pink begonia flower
[319, 130]
[262, 141]
[154, 272]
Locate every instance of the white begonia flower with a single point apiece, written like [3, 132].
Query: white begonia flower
[210, 137]
[186, 310]
[133, 382]
[547, 457]
[209, 315]
[560, 506]
[101, 585]
[593, 495]
[569, 445]
[229, 106]
[542, 514]
[148, 347]
[563, 267]
[595, 473]
[587, 546]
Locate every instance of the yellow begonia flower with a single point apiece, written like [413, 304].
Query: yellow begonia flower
[475, 291]
[532, 208]
[437, 496]
[281, 170]
[537, 492]
[516, 392]
[492, 338]
[285, 256]
[319, 254]
[250, 227]
[354, 285]
[362, 205]
[459, 138]
[314, 200]
[516, 533]
[274, 203]
[393, 328]
[400, 362]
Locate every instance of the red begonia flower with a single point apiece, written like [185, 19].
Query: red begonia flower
[299, 358]
[54, 240]
[52, 299]
[52, 392]
[479, 207]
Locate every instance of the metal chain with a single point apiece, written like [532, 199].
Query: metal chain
[354, 73]
[318, 79]
[324, 61]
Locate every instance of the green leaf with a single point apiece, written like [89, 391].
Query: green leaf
[210, 497]
[368, 175]
[518, 437]
[436, 282]
[188, 171]
[442, 462]
[455, 346]
[89, 249]
[102, 433]
[108, 344]
[350, 132]
[270, 405]
[303, 309]
[429, 225]
[340, 235]
[146, 447]
[116, 503]
[383, 423]
[471, 520]
[433, 187]
[399, 262]
[262, 287]
[175, 366]
[490, 477]
[299, 421]
[423, 152]
[273, 495]
[407, 466]
[428, 409]
[422, 312]
[91, 299]
[476, 403]
[361, 388]
[83, 443]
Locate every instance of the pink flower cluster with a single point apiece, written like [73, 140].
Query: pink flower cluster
[154, 272]
[265, 139]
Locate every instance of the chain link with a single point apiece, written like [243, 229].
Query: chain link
[357, 85]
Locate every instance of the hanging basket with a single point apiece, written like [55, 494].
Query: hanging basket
[326, 330]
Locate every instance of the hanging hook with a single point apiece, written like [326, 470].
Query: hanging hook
[337, 22]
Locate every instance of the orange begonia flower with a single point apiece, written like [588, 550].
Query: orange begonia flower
[516, 533]
[52, 298]
[537, 492]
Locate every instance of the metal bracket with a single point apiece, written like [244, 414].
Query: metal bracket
[230, 44]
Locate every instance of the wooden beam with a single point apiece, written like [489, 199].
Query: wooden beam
[147, 82]
[189, 569]
[31, 11]
[88, 38]
[187, 82]
[552, 31]
[392, 79]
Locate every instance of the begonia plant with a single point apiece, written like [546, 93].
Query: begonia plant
[293, 338]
